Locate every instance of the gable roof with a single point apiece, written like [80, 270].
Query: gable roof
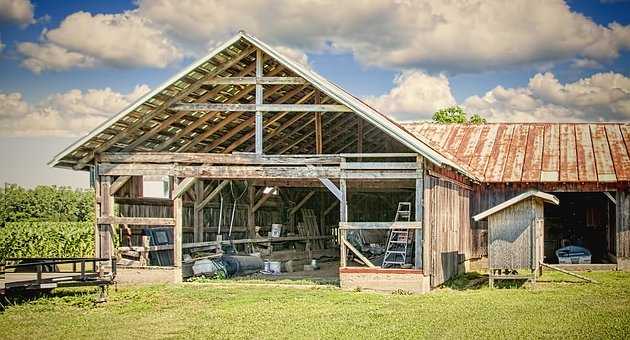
[534, 193]
[533, 152]
[138, 116]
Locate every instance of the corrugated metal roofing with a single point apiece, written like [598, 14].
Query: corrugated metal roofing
[534, 152]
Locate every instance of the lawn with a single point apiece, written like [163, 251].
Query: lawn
[557, 308]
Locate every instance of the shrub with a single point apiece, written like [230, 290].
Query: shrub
[46, 239]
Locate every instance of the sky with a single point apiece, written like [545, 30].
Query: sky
[66, 66]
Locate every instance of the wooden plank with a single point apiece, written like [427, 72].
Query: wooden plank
[587, 170]
[184, 186]
[496, 163]
[532, 164]
[198, 225]
[301, 202]
[568, 154]
[177, 227]
[619, 153]
[343, 217]
[256, 80]
[236, 158]
[551, 154]
[156, 221]
[418, 213]
[513, 169]
[358, 254]
[263, 199]
[603, 157]
[379, 166]
[212, 194]
[118, 184]
[260, 107]
[259, 100]
[380, 225]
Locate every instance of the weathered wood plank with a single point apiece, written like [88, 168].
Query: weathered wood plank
[155, 221]
[380, 225]
[184, 186]
[256, 80]
[260, 107]
[236, 158]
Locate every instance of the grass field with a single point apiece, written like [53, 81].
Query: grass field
[557, 308]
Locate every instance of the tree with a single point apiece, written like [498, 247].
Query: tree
[456, 115]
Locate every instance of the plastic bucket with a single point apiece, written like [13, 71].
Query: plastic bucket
[276, 230]
[275, 267]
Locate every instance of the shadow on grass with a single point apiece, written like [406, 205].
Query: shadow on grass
[74, 296]
[476, 280]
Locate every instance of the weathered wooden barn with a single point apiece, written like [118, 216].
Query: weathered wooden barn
[245, 139]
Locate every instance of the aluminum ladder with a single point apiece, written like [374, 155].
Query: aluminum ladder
[397, 243]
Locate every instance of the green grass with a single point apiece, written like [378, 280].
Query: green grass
[559, 308]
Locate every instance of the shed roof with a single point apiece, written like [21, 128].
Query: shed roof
[534, 193]
[533, 152]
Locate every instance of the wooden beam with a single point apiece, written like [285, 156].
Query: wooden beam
[257, 80]
[264, 199]
[236, 158]
[343, 217]
[358, 254]
[331, 207]
[379, 225]
[212, 195]
[177, 228]
[168, 103]
[198, 225]
[610, 197]
[319, 146]
[302, 202]
[419, 212]
[118, 184]
[260, 107]
[259, 101]
[153, 221]
[184, 186]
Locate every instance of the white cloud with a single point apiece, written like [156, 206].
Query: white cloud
[16, 11]
[435, 35]
[47, 56]
[600, 97]
[86, 40]
[72, 113]
[294, 54]
[415, 96]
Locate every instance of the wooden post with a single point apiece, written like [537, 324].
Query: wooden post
[198, 227]
[419, 212]
[107, 208]
[622, 245]
[343, 217]
[97, 210]
[259, 101]
[251, 213]
[426, 227]
[177, 229]
[319, 146]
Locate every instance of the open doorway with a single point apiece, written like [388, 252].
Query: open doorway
[584, 219]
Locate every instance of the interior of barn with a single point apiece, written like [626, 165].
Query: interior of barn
[582, 219]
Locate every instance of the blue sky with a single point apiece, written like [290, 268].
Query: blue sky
[408, 62]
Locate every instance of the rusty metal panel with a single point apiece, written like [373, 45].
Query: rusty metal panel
[601, 150]
[455, 138]
[513, 169]
[534, 154]
[587, 172]
[484, 148]
[568, 157]
[496, 163]
[441, 134]
[619, 152]
[469, 143]
[551, 154]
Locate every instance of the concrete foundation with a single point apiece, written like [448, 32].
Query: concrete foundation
[142, 275]
[384, 280]
[623, 263]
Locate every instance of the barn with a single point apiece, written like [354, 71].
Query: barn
[249, 150]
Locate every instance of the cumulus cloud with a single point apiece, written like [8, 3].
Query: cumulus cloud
[17, 12]
[47, 56]
[72, 113]
[600, 97]
[415, 96]
[434, 35]
[86, 40]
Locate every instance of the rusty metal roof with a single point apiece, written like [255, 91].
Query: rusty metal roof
[533, 152]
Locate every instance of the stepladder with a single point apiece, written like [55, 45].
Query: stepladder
[398, 239]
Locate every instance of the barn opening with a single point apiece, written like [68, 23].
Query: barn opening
[585, 219]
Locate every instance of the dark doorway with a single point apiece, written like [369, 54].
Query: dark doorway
[585, 219]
